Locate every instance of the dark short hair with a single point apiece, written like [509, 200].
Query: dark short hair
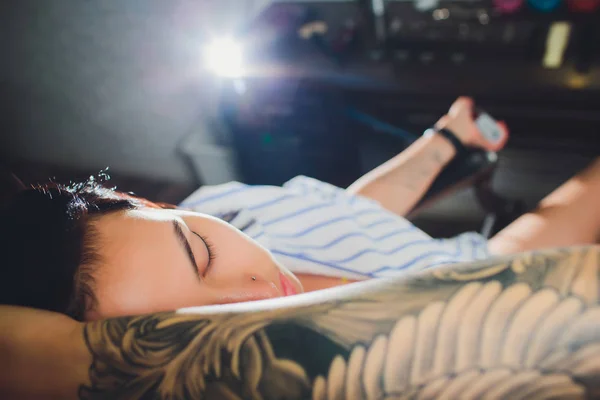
[48, 244]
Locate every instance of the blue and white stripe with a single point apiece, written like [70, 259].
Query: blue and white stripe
[313, 227]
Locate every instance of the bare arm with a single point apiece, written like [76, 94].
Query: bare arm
[42, 355]
[521, 327]
[401, 182]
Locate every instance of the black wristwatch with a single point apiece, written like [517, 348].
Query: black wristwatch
[451, 137]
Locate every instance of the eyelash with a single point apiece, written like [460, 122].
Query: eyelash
[210, 249]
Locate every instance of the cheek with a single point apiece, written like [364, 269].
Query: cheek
[157, 283]
[238, 257]
[148, 296]
[234, 252]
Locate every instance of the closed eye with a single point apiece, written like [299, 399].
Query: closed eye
[210, 249]
[186, 246]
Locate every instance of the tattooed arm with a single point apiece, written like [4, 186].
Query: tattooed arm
[527, 326]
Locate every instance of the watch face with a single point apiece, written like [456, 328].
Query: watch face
[545, 5]
[508, 6]
[583, 5]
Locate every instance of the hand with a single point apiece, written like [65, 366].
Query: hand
[460, 121]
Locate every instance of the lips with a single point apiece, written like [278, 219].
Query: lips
[286, 285]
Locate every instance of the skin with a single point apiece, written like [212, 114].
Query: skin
[145, 268]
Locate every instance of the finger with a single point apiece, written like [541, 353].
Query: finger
[442, 122]
[462, 103]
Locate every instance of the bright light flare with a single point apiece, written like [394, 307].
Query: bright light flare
[224, 57]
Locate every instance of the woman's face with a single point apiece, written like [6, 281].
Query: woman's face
[157, 260]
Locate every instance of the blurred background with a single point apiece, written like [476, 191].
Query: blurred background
[172, 95]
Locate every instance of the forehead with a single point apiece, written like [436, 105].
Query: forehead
[131, 237]
[134, 247]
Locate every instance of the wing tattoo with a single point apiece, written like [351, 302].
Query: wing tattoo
[519, 328]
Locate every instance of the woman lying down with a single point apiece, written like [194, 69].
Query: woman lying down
[499, 325]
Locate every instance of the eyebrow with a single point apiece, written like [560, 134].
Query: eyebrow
[186, 245]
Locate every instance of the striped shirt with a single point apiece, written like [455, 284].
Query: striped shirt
[317, 228]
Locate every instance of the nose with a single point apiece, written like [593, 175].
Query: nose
[246, 286]
[247, 271]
